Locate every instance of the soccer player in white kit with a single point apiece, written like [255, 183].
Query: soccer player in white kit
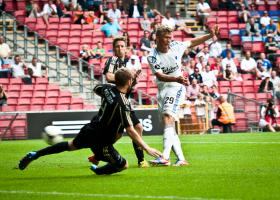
[165, 62]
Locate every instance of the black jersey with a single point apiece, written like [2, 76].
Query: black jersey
[113, 64]
[113, 115]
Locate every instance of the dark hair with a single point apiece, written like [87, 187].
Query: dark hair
[122, 76]
[118, 39]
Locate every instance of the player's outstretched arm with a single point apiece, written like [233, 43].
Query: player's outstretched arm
[136, 138]
[213, 32]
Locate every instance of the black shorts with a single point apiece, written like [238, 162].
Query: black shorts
[134, 119]
[87, 138]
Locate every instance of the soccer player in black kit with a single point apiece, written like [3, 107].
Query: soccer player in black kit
[104, 129]
[111, 66]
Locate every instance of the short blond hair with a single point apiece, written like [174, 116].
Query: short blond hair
[161, 30]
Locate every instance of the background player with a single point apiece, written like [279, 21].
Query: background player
[104, 129]
[165, 62]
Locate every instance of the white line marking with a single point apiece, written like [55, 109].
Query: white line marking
[130, 196]
[184, 142]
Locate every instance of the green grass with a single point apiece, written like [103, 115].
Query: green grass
[224, 166]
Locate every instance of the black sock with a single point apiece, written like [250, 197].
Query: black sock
[139, 152]
[107, 169]
[56, 148]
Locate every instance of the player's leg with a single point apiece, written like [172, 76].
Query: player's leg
[175, 96]
[116, 162]
[138, 150]
[80, 141]
[167, 132]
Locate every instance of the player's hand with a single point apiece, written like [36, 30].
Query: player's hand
[153, 152]
[215, 31]
[182, 80]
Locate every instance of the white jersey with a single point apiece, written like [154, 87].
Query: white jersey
[168, 63]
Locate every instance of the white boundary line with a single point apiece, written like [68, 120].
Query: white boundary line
[185, 142]
[129, 196]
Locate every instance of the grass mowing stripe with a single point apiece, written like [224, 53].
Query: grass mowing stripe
[104, 195]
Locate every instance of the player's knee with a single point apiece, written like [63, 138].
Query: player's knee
[139, 128]
[122, 165]
[71, 146]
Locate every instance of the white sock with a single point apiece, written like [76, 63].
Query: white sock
[177, 147]
[168, 136]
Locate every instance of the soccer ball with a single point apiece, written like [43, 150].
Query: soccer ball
[51, 135]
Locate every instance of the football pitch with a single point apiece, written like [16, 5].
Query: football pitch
[223, 166]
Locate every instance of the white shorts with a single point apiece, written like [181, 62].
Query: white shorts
[170, 99]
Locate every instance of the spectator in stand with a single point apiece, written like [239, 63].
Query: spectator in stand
[193, 90]
[271, 47]
[32, 9]
[181, 25]
[226, 5]
[98, 51]
[243, 14]
[228, 74]
[145, 23]
[269, 115]
[252, 28]
[151, 13]
[90, 18]
[261, 72]
[208, 77]
[248, 64]
[135, 10]
[213, 92]
[215, 48]
[201, 64]
[134, 64]
[271, 28]
[266, 85]
[216, 67]
[200, 110]
[3, 96]
[128, 44]
[276, 84]
[35, 68]
[145, 43]
[254, 13]
[229, 61]
[195, 75]
[168, 20]
[186, 57]
[203, 11]
[205, 54]
[61, 9]
[5, 52]
[144, 58]
[86, 53]
[110, 29]
[49, 10]
[2, 6]
[225, 115]
[266, 64]
[78, 16]
[121, 7]
[265, 19]
[115, 14]
[18, 70]
[228, 48]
